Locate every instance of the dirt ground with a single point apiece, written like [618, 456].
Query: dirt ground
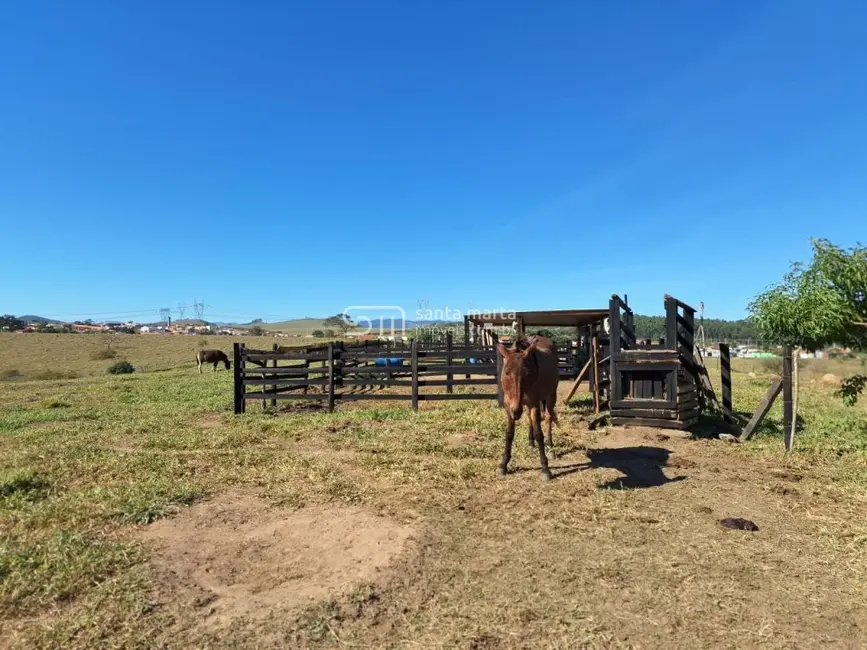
[624, 549]
[234, 558]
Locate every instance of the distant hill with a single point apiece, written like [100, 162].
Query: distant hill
[29, 318]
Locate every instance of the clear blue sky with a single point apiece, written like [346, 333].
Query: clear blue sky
[481, 154]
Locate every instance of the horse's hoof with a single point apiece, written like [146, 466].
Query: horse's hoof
[546, 476]
[501, 471]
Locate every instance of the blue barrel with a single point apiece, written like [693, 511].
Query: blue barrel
[395, 361]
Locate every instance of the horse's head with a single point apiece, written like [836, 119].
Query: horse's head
[517, 374]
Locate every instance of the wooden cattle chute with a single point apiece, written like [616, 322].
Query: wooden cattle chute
[661, 384]
[334, 372]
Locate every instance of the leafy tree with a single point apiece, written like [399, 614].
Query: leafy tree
[257, 330]
[318, 334]
[9, 322]
[341, 322]
[820, 304]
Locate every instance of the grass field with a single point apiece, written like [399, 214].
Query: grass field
[137, 511]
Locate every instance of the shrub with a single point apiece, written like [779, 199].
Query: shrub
[257, 330]
[318, 334]
[121, 368]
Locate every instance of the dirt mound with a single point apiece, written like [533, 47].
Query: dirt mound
[829, 379]
[235, 557]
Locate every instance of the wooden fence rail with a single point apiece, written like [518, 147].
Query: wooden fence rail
[333, 372]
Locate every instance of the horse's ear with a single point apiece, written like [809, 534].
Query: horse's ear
[502, 349]
[530, 348]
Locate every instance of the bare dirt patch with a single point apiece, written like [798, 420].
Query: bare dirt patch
[236, 558]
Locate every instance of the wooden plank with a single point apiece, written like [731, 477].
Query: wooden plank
[596, 367]
[665, 414]
[284, 356]
[273, 365]
[456, 396]
[651, 422]
[762, 410]
[578, 380]
[450, 377]
[641, 403]
[647, 355]
[670, 323]
[499, 378]
[238, 367]
[788, 411]
[299, 371]
[415, 375]
[287, 382]
[331, 377]
[656, 366]
[354, 397]
[281, 396]
[725, 364]
[491, 381]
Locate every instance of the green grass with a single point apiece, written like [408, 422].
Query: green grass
[86, 463]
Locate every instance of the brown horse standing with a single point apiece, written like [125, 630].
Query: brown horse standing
[212, 356]
[529, 378]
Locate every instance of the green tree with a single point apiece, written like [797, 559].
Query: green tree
[257, 330]
[9, 322]
[341, 322]
[820, 304]
[318, 334]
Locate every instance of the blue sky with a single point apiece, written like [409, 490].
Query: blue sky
[473, 154]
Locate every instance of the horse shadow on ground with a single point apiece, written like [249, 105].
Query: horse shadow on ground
[641, 467]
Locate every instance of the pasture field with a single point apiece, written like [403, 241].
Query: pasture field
[138, 511]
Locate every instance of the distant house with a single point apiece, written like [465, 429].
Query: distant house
[144, 329]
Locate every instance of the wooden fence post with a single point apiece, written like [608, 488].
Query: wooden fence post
[273, 386]
[594, 382]
[239, 378]
[500, 399]
[330, 376]
[614, 335]
[415, 374]
[725, 366]
[450, 377]
[788, 431]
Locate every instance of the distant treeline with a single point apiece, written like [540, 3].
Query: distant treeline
[653, 327]
[715, 329]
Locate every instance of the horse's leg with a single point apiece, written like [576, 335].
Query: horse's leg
[507, 452]
[531, 433]
[540, 441]
[549, 422]
[199, 363]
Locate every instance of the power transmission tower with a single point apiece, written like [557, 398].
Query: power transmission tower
[166, 316]
[199, 308]
[699, 339]
[181, 309]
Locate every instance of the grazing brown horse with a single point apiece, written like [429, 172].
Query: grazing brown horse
[529, 378]
[212, 356]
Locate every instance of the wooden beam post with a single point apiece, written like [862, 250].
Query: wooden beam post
[500, 400]
[330, 376]
[415, 374]
[273, 386]
[450, 377]
[614, 334]
[466, 338]
[238, 377]
[762, 410]
[594, 357]
[725, 365]
[581, 374]
[788, 413]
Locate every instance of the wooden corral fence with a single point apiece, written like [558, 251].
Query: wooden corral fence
[338, 371]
